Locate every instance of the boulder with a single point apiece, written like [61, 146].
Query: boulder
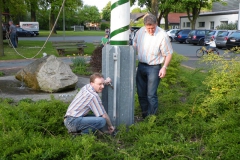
[48, 74]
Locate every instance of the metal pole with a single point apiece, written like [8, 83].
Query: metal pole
[115, 55]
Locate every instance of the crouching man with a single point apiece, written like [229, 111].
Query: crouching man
[77, 118]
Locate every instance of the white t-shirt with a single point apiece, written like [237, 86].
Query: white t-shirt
[211, 43]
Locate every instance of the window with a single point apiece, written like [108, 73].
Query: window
[224, 22]
[211, 25]
[188, 24]
[201, 24]
[183, 24]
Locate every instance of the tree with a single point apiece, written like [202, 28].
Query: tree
[154, 6]
[136, 10]
[1, 31]
[32, 6]
[193, 8]
[53, 7]
[106, 12]
[89, 14]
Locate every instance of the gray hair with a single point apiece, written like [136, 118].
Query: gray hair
[150, 19]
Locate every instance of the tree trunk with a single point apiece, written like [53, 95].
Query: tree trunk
[1, 33]
[52, 21]
[166, 22]
[154, 7]
[159, 18]
[33, 15]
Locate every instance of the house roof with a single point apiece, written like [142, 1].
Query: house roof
[175, 17]
[136, 16]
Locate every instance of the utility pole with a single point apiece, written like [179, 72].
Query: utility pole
[1, 31]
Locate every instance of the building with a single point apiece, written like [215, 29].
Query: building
[210, 20]
[220, 15]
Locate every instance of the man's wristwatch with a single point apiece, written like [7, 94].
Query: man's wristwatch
[164, 67]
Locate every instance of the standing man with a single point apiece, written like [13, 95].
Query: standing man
[77, 119]
[13, 33]
[154, 48]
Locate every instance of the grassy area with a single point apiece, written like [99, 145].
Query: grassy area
[44, 33]
[30, 49]
[197, 119]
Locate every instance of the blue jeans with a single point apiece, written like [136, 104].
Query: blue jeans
[13, 39]
[147, 81]
[85, 124]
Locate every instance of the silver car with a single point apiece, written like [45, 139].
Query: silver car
[222, 37]
[171, 33]
[212, 34]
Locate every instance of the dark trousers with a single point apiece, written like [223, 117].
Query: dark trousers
[147, 81]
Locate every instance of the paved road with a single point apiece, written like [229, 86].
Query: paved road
[187, 50]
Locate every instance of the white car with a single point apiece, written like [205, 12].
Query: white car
[171, 33]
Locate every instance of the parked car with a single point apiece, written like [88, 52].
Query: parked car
[171, 33]
[24, 33]
[233, 40]
[212, 34]
[182, 35]
[132, 34]
[222, 37]
[197, 36]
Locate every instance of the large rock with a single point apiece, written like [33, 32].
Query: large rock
[48, 74]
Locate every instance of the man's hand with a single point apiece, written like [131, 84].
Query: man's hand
[162, 72]
[111, 129]
[107, 81]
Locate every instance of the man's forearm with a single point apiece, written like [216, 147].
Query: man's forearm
[109, 123]
[167, 60]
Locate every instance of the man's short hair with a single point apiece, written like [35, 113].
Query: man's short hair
[150, 19]
[94, 76]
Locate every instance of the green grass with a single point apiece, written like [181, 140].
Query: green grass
[33, 130]
[44, 33]
[29, 49]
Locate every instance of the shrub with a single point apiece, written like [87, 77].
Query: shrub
[104, 26]
[1, 73]
[80, 66]
[230, 26]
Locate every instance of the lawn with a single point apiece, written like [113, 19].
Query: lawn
[33, 49]
[44, 33]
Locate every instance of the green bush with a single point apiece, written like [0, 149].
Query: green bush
[230, 26]
[104, 26]
[1, 73]
[198, 118]
[80, 66]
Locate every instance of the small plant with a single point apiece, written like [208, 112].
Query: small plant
[78, 61]
[80, 66]
[1, 74]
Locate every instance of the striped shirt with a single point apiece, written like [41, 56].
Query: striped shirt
[152, 49]
[86, 99]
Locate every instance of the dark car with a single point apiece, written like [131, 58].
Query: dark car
[24, 33]
[233, 40]
[197, 36]
[182, 35]
[222, 37]
[132, 34]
